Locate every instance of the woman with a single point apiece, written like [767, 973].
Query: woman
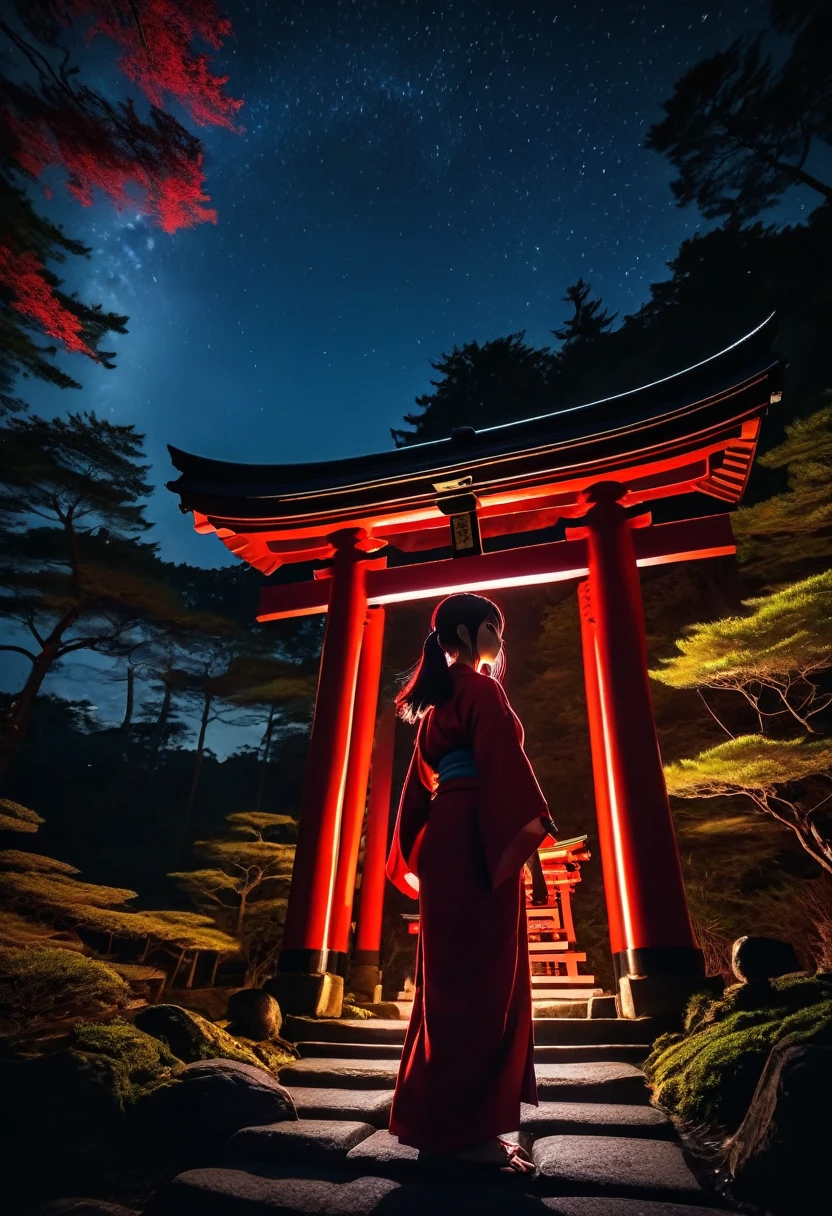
[470, 817]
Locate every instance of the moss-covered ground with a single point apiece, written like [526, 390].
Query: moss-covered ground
[708, 1074]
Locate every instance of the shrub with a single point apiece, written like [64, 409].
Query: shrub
[44, 984]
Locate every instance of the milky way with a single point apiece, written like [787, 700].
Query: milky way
[412, 175]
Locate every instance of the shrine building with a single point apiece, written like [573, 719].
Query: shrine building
[566, 496]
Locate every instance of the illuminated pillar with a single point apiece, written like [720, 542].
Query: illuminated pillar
[355, 791]
[366, 954]
[606, 837]
[658, 962]
[302, 985]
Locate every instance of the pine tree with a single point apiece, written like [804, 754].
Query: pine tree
[739, 132]
[50, 118]
[481, 385]
[589, 318]
[792, 532]
[773, 656]
[768, 772]
[243, 880]
[77, 576]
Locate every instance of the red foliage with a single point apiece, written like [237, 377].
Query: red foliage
[23, 277]
[156, 167]
[156, 37]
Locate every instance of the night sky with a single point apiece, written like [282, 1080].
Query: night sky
[411, 175]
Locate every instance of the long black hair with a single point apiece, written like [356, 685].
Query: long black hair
[430, 682]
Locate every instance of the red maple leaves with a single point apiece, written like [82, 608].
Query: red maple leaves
[154, 165]
[156, 36]
[22, 275]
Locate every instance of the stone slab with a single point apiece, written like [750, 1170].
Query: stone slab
[596, 1119]
[334, 1073]
[350, 1051]
[258, 1191]
[590, 1053]
[344, 1030]
[319, 1192]
[616, 1165]
[594, 1082]
[303, 1142]
[365, 1105]
[574, 1031]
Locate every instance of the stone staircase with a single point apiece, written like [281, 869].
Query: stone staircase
[600, 1148]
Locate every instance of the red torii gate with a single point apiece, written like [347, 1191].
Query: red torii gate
[479, 511]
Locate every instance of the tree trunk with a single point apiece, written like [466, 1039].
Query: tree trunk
[264, 763]
[20, 713]
[189, 983]
[214, 971]
[241, 914]
[200, 753]
[178, 965]
[128, 705]
[156, 739]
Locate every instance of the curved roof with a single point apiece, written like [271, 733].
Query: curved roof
[693, 415]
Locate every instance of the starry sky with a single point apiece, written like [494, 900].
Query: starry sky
[412, 174]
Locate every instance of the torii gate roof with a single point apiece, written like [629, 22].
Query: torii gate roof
[693, 431]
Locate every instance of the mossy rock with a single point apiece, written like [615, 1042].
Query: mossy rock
[709, 1074]
[273, 1054]
[192, 1037]
[128, 1062]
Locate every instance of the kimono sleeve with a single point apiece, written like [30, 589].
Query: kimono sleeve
[509, 797]
[411, 821]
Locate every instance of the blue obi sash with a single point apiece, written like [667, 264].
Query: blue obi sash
[459, 763]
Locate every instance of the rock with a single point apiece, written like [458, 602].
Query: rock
[614, 1165]
[210, 1101]
[364, 1105]
[54, 1106]
[264, 1189]
[302, 1142]
[602, 1082]
[756, 960]
[778, 1156]
[229, 1192]
[596, 1119]
[81, 1207]
[192, 1037]
[254, 1014]
[337, 1073]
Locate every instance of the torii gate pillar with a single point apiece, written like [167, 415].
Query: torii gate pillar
[303, 984]
[657, 961]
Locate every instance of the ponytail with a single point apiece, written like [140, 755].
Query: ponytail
[429, 684]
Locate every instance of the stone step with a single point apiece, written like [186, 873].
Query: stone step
[344, 1030]
[262, 1190]
[570, 1032]
[596, 1119]
[352, 1051]
[361, 1105]
[299, 1142]
[629, 1053]
[594, 1082]
[335, 1073]
[547, 1031]
[612, 1166]
[606, 1081]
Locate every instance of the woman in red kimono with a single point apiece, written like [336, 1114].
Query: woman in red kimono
[470, 817]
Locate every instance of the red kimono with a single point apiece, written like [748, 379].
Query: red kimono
[467, 1062]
